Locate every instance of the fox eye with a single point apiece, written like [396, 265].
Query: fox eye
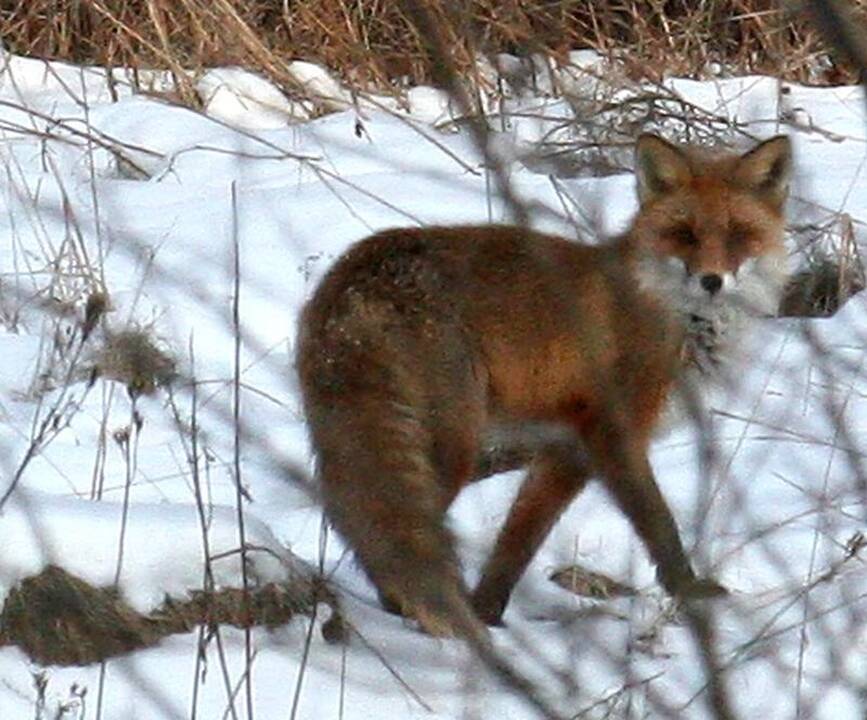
[684, 235]
[739, 234]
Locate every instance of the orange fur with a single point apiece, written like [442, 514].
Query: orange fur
[419, 341]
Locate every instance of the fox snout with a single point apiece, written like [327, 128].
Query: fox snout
[674, 278]
[703, 291]
[711, 283]
[754, 288]
[709, 289]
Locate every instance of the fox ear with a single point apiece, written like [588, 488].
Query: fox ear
[767, 169]
[660, 167]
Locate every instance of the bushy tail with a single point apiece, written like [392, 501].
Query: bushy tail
[380, 490]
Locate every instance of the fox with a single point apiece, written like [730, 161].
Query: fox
[421, 343]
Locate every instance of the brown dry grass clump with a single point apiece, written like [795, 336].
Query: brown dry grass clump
[373, 44]
[132, 357]
[831, 271]
[588, 583]
[59, 619]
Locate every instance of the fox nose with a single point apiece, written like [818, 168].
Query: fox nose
[712, 283]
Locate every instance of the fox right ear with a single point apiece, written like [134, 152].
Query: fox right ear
[767, 170]
[660, 167]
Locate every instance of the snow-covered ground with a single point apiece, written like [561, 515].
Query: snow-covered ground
[152, 202]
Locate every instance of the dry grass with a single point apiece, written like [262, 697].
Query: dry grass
[131, 357]
[831, 270]
[59, 619]
[588, 583]
[372, 43]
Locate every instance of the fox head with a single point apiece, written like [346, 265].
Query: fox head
[709, 233]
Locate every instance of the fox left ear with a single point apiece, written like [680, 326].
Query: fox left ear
[767, 169]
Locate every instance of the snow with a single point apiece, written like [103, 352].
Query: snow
[38, 529]
[245, 99]
[776, 513]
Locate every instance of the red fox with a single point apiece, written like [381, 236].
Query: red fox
[421, 342]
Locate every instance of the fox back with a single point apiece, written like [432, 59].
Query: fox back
[421, 342]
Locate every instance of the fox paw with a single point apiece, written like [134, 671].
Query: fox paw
[700, 588]
[489, 606]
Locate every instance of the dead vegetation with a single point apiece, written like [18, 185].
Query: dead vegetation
[375, 45]
[131, 356]
[59, 619]
[831, 270]
[588, 583]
